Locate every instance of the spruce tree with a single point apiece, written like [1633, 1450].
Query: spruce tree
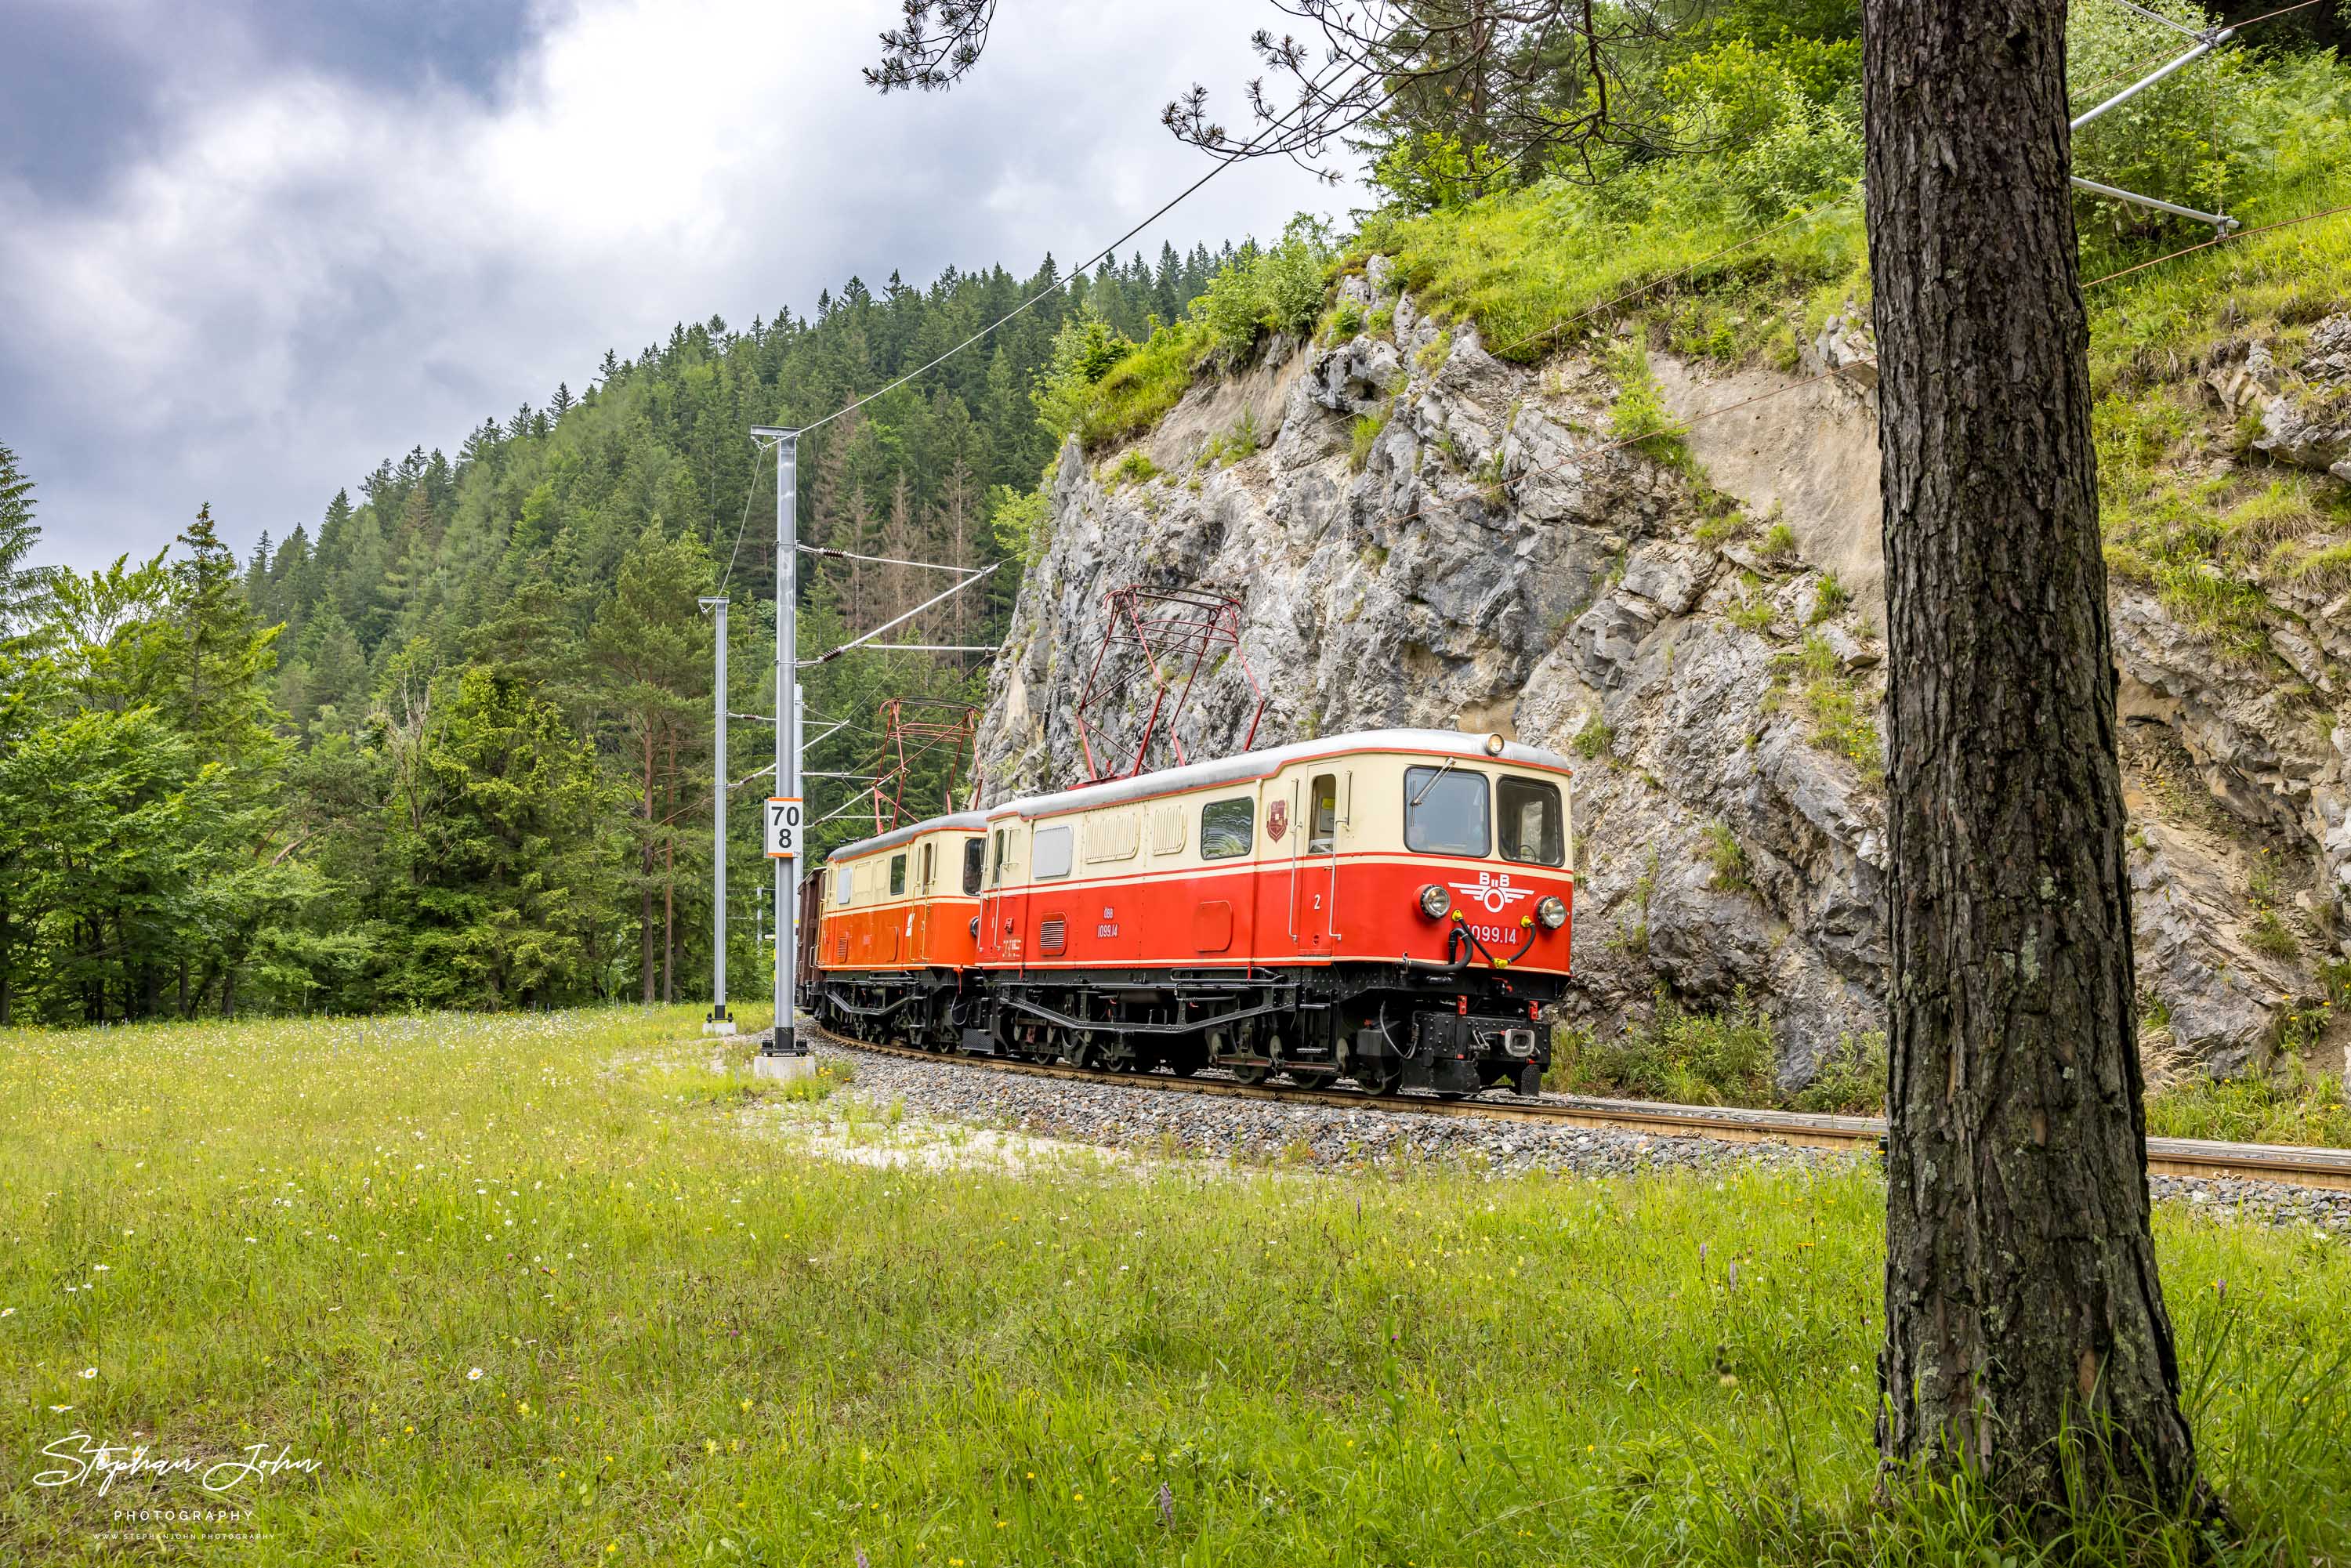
[20, 585]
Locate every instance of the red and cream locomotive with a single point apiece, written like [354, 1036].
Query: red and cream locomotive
[1390, 907]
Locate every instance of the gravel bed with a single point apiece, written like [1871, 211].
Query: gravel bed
[1160, 1121]
[2228, 1199]
[1155, 1120]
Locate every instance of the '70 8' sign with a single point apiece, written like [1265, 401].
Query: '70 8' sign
[783, 827]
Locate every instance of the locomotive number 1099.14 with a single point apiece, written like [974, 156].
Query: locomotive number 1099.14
[1497, 936]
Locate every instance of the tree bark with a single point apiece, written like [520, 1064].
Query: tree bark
[669, 887]
[2025, 1330]
[645, 883]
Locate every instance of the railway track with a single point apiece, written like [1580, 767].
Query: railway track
[2192, 1158]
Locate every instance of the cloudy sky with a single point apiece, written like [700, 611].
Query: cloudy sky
[248, 248]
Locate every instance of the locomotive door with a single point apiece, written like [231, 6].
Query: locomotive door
[1314, 862]
[1004, 903]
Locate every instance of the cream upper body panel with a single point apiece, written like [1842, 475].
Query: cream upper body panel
[1347, 796]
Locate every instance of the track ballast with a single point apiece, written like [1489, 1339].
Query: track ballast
[2192, 1158]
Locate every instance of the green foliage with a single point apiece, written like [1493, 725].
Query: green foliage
[1754, 612]
[1364, 435]
[1850, 1079]
[1720, 848]
[1535, 267]
[1085, 350]
[2266, 934]
[2265, 928]
[1235, 446]
[1346, 320]
[492, 832]
[1792, 116]
[1019, 520]
[1780, 543]
[1277, 289]
[1840, 719]
[2296, 1109]
[2192, 138]
[1691, 1059]
[1723, 1058]
[1639, 415]
[1136, 393]
[1596, 740]
[1431, 356]
[19, 584]
[1722, 524]
[1432, 171]
[1134, 468]
[1829, 600]
[562, 548]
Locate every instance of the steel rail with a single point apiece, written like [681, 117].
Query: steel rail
[2293, 1165]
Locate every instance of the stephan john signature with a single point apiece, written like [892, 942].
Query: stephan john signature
[84, 1456]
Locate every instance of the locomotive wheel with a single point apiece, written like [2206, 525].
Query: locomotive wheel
[1380, 1077]
[1252, 1072]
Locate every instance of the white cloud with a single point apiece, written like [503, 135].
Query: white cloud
[311, 274]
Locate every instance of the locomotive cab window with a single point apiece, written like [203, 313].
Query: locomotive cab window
[841, 876]
[1534, 829]
[929, 855]
[975, 865]
[1053, 854]
[1445, 811]
[995, 867]
[897, 876]
[1322, 814]
[1227, 828]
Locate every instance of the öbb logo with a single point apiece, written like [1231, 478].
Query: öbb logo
[1495, 892]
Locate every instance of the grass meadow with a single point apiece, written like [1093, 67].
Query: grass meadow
[545, 1289]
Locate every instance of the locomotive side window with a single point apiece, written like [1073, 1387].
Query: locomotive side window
[927, 860]
[840, 879]
[897, 876]
[1322, 814]
[1445, 811]
[1053, 849]
[1533, 827]
[975, 865]
[1227, 828]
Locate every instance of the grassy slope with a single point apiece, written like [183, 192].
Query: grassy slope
[697, 1344]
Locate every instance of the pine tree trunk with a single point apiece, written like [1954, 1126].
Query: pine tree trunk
[669, 891]
[645, 884]
[2024, 1315]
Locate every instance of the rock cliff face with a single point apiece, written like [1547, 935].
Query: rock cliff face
[1430, 536]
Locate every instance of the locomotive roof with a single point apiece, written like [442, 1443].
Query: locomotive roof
[970, 822]
[1469, 747]
[1256, 764]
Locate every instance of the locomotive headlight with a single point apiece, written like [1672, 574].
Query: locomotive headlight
[1435, 901]
[1494, 744]
[1553, 913]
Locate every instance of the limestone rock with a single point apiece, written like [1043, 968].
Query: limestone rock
[1496, 563]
